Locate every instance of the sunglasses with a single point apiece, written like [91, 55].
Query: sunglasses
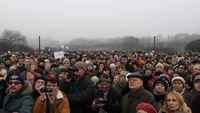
[14, 82]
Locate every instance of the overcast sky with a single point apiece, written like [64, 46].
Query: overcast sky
[67, 19]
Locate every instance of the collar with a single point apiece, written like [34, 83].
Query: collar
[137, 90]
[59, 95]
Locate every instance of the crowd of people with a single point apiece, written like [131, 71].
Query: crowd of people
[100, 82]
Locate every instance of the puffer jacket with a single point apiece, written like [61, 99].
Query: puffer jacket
[21, 102]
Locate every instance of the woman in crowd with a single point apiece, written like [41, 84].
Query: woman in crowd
[174, 103]
[178, 84]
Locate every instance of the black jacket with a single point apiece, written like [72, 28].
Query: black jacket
[2, 91]
[79, 94]
[193, 100]
[112, 101]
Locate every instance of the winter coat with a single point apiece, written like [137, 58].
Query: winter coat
[79, 93]
[195, 104]
[2, 92]
[112, 101]
[21, 102]
[122, 88]
[61, 104]
[132, 99]
[189, 96]
[159, 99]
[193, 100]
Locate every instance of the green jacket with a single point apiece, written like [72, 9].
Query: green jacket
[132, 99]
[21, 102]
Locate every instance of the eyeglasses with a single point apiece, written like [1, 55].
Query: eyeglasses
[15, 83]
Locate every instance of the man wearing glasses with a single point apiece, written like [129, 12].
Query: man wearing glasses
[18, 99]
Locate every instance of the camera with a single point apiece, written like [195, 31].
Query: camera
[46, 90]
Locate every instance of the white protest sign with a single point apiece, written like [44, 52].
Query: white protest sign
[59, 54]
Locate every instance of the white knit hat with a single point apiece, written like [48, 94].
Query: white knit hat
[178, 78]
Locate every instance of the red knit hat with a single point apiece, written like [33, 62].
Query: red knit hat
[146, 107]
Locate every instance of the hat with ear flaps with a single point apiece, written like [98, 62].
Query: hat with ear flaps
[163, 80]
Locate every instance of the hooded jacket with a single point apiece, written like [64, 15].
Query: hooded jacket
[19, 102]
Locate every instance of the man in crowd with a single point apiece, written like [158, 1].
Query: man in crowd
[106, 98]
[19, 99]
[79, 89]
[136, 95]
[52, 99]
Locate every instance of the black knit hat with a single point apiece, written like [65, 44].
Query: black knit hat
[17, 77]
[164, 80]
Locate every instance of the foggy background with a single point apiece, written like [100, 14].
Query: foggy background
[63, 21]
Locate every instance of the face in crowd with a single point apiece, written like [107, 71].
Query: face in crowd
[116, 79]
[159, 88]
[196, 69]
[181, 70]
[197, 85]
[135, 83]
[104, 86]
[30, 77]
[174, 102]
[53, 86]
[15, 86]
[39, 84]
[79, 72]
[178, 85]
